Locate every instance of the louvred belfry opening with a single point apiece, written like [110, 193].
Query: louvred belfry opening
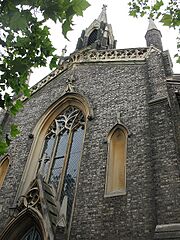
[92, 37]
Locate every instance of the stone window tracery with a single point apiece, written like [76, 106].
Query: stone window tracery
[62, 152]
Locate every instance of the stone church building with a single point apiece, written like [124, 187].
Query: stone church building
[98, 153]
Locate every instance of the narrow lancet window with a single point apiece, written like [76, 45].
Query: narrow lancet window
[4, 165]
[116, 163]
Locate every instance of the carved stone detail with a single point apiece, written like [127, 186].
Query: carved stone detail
[32, 197]
[114, 55]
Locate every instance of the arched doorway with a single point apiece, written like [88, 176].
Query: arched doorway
[28, 225]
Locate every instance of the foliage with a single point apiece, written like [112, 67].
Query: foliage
[167, 12]
[25, 43]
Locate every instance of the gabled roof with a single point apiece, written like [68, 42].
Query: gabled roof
[94, 56]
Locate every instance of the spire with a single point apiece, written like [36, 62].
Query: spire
[98, 35]
[153, 36]
[103, 17]
[152, 25]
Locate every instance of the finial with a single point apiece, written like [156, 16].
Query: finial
[104, 7]
[118, 118]
[61, 59]
[102, 17]
[63, 213]
[64, 50]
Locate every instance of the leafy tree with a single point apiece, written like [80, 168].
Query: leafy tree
[167, 12]
[25, 43]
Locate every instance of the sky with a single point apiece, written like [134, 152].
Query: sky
[128, 31]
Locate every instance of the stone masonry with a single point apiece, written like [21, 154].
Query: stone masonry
[146, 97]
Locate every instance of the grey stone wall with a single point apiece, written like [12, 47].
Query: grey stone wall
[152, 171]
[121, 88]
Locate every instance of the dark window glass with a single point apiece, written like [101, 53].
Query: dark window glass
[62, 147]
[32, 234]
[72, 169]
[92, 37]
[59, 160]
[47, 152]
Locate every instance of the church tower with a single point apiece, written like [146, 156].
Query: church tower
[98, 35]
[153, 36]
[98, 155]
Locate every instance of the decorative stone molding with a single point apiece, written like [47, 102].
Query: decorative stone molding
[167, 231]
[115, 55]
[41, 198]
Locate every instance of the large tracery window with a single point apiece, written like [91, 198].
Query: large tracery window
[62, 151]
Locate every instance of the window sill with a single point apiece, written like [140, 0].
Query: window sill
[114, 194]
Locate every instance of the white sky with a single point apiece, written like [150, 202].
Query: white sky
[128, 31]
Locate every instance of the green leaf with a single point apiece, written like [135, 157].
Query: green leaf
[53, 62]
[14, 130]
[3, 147]
[79, 6]
[158, 5]
[166, 20]
[1, 101]
[16, 107]
[19, 104]
[26, 91]
[66, 27]
[178, 60]
[17, 21]
[133, 13]
[8, 100]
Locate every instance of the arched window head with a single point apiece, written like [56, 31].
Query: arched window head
[28, 225]
[116, 162]
[62, 152]
[44, 138]
[92, 37]
[4, 165]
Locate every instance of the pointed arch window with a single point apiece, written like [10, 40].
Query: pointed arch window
[62, 152]
[32, 234]
[116, 162]
[27, 225]
[92, 37]
[4, 165]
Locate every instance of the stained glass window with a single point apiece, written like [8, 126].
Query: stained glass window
[63, 147]
[32, 234]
